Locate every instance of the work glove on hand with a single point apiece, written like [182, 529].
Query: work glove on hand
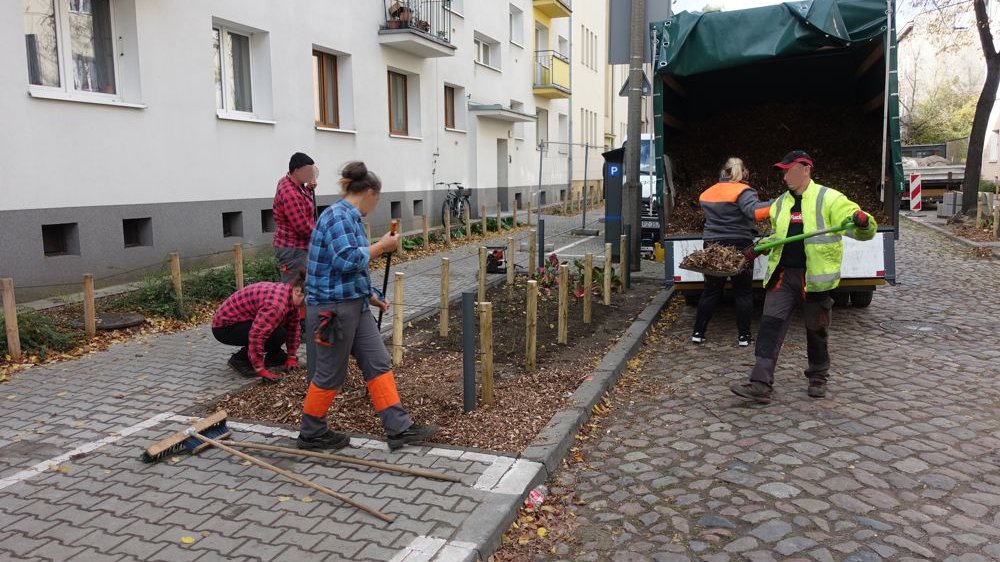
[860, 219]
[268, 376]
[749, 254]
[291, 363]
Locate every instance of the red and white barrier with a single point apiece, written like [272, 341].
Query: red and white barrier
[915, 203]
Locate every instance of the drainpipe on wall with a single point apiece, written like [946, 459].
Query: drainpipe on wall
[569, 118]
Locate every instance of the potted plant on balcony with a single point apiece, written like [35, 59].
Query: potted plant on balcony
[400, 15]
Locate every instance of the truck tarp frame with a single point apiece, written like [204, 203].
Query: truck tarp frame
[693, 43]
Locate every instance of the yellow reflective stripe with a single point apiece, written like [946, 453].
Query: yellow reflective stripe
[820, 223]
[823, 239]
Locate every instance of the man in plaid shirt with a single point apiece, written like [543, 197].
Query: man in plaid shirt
[260, 318]
[294, 215]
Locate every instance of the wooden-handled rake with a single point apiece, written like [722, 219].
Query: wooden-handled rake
[203, 433]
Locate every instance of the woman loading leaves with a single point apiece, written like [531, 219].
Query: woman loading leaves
[339, 322]
[731, 208]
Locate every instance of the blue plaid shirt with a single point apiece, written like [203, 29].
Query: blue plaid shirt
[338, 257]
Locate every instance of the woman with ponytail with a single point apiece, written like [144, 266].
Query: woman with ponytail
[731, 208]
[339, 323]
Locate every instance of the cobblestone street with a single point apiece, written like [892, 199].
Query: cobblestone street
[899, 462]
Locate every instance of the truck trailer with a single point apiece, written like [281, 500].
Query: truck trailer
[815, 75]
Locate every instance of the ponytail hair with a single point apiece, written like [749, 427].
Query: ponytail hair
[355, 178]
[734, 170]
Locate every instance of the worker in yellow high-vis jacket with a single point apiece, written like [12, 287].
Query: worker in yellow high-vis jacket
[803, 272]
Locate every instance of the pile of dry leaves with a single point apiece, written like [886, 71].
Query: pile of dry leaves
[847, 158]
[714, 258]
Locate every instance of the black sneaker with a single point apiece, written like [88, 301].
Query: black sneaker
[242, 365]
[758, 392]
[414, 433]
[331, 441]
[744, 340]
[698, 337]
[817, 388]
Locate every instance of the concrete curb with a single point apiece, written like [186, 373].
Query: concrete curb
[954, 237]
[486, 525]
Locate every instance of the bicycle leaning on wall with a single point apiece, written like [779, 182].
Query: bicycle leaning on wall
[455, 202]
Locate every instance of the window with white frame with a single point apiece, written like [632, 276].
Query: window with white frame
[542, 128]
[994, 146]
[487, 51]
[456, 6]
[518, 126]
[563, 46]
[516, 25]
[562, 121]
[70, 46]
[233, 74]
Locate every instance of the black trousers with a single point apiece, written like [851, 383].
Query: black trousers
[785, 292]
[239, 334]
[714, 287]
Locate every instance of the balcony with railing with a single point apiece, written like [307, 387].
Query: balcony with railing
[551, 77]
[554, 8]
[419, 27]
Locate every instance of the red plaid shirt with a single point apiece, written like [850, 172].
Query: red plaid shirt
[294, 215]
[268, 306]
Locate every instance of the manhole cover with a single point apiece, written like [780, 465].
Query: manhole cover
[117, 320]
[917, 327]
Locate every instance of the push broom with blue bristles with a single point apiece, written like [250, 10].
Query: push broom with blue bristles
[206, 432]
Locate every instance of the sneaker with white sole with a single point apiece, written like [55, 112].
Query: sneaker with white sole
[698, 337]
[744, 340]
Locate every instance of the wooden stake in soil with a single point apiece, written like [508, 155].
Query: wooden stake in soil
[468, 223]
[499, 218]
[563, 304]
[397, 321]
[447, 229]
[175, 274]
[445, 267]
[996, 217]
[486, 348]
[565, 205]
[482, 275]
[399, 245]
[531, 331]
[513, 212]
[510, 267]
[238, 264]
[607, 274]
[427, 231]
[10, 319]
[482, 213]
[89, 316]
[623, 257]
[529, 213]
[588, 281]
[579, 206]
[532, 252]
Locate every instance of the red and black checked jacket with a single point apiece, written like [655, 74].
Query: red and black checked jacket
[294, 215]
[268, 306]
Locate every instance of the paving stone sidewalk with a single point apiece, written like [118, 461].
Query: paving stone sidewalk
[72, 487]
[899, 462]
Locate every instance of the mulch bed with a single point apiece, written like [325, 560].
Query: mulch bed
[970, 232]
[430, 377]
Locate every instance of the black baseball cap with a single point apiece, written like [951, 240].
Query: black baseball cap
[795, 157]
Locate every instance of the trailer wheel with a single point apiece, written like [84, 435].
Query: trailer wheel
[691, 299]
[841, 299]
[861, 299]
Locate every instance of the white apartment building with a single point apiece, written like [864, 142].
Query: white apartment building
[134, 128]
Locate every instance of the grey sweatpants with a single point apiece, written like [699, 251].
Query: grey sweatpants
[357, 335]
[783, 295]
[292, 261]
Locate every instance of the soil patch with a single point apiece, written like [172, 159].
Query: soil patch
[970, 232]
[430, 377]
